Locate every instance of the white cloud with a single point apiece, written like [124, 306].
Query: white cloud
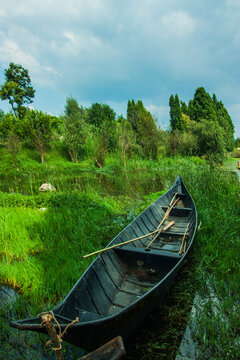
[233, 3]
[2, 13]
[10, 51]
[112, 51]
[161, 113]
[177, 24]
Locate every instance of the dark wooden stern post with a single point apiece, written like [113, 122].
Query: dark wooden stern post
[55, 340]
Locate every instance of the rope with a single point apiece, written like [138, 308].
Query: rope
[60, 334]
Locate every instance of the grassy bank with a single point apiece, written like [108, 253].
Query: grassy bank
[41, 250]
[211, 272]
[216, 253]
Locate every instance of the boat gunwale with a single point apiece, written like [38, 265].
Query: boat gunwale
[125, 309]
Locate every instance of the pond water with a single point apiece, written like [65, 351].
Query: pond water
[130, 184]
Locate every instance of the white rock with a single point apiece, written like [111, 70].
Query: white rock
[47, 187]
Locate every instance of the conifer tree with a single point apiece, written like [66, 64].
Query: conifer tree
[202, 107]
[144, 126]
[225, 122]
[176, 120]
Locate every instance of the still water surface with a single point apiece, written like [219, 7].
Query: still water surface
[129, 184]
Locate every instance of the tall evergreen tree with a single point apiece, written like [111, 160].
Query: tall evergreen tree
[184, 108]
[132, 113]
[225, 122]
[176, 119]
[144, 126]
[202, 107]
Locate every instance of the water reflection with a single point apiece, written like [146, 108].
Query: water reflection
[130, 184]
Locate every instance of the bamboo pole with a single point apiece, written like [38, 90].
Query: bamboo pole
[157, 231]
[183, 239]
[171, 205]
[173, 199]
[128, 241]
[171, 223]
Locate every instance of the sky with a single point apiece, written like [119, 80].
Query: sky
[111, 51]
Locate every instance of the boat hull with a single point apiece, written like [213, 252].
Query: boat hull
[122, 286]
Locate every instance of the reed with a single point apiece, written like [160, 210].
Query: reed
[82, 220]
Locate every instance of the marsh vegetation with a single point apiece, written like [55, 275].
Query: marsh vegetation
[107, 169]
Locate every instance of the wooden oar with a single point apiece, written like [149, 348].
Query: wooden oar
[171, 205]
[183, 239]
[172, 199]
[171, 223]
[128, 241]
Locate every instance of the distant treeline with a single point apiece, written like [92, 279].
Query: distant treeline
[203, 127]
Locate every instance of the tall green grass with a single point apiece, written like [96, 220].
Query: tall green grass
[41, 251]
[217, 267]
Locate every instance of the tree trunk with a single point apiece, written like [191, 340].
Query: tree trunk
[98, 163]
[42, 153]
[124, 157]
[71, 156]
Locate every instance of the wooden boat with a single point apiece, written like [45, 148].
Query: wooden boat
[122, 285]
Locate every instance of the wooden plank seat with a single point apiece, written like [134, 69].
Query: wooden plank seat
[141, 253]
[178, 211]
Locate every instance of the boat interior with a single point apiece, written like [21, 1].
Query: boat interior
[120, 276]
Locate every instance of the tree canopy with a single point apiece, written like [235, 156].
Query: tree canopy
[145, 128]
[177, 120]
[39, 128]
[215, 132]
[76, 130]
[202, 107]
[17, 89]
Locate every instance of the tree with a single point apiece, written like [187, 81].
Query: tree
[225, 122]
[176, 119]
[237, 142]
[10, 124]
[184, 108]
[13, 146]
[145, 128]
[76, 130]
[17, 89]
[126, 137]
[210, 139]
[39, 128]
[102, 117]
[202, 107]
[132, 113]
[98, 113]
[184, 143]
